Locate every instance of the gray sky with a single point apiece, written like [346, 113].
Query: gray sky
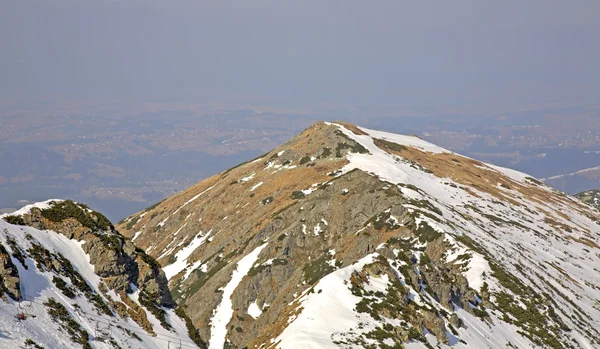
[302, 52]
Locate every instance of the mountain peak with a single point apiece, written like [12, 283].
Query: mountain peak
[351, 237]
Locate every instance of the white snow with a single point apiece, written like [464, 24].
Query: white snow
[181, 257]
[191, 268]
[411, 141]
[223, 312]
[136, 235]
[247, 178]
[254, 310]
[326, 312]
[256, 186]
[476, 267]
[26, 209]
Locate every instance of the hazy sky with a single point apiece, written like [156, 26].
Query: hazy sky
[302, 52]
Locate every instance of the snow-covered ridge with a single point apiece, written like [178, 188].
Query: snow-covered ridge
[43, 287]
[529, 236]
[26, 209]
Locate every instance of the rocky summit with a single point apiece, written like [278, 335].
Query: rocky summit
[346, 237]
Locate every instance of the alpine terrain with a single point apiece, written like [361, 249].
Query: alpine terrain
[344, 237]
[68, 279]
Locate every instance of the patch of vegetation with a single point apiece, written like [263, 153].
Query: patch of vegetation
[394, 304]
[204, 277]
[426, 205]
[147, 258]
[57, 263]
[267, 200]
[317, 269]
[259, 268]
[280, 261]
[152, 207]
[112, 241]
[471, 244]
[62, 285]
[353, 147]
[59, 313]
[325, 153]
[383, 220]
[424, 231]
[535, 181]
[15, 220]
[382, 143]
[499, 221]
[193, 332]
[537, 326]
[31, 344]
[149, 300]
[132, 222]
[86, 217]
[16, 251]
[304, 160]
[380, 334]
[297, 194]
[409, 186]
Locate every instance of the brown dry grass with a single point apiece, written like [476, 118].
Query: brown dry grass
[357, 131]
[136, 313]
[584, 241]
[232, 198]
[477, 175]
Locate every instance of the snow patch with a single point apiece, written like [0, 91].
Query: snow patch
[224, 311]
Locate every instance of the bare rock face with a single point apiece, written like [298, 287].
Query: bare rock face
[9, 276]
[115, 258]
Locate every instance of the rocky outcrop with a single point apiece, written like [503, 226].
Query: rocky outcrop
[116, 259]
[9, 276]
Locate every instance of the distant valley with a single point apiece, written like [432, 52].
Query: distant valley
[121, 159]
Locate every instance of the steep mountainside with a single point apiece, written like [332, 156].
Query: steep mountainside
[591, 197]
[69, 280]
[346, 237]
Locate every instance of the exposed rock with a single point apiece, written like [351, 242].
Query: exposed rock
[115, 258]
[435, 325]
[9, 276]
[455, 321]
